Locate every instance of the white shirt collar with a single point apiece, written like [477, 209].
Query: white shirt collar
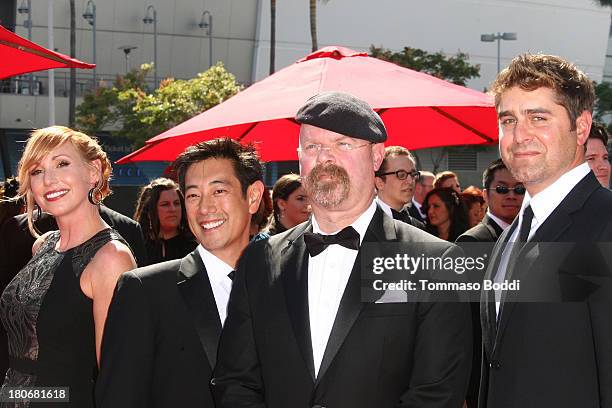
[360, 224]
[217, 269]
[384, 206]
[503, 224]
[545, 202]
[416, 204]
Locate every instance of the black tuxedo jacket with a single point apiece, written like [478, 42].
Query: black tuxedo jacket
[377, 356]
[486, 230]
[414, 213]
[556, 352]
[160, 339]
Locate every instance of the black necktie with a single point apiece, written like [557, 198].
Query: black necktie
[316, 243]
[401, 215]
[231, 275]
[526, 225]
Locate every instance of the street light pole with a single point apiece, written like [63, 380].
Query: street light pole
[149, 20]
[498, 37]
[207, 26]
[90, 16]
[126, 50]
[22, 9]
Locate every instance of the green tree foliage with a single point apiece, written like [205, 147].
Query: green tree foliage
[139, 114]
[603, 103]
[455, 69]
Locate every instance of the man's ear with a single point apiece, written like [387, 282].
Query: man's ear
[378, 154]
[379, 183]
[485, 195]
[583, 127]
[253, 196]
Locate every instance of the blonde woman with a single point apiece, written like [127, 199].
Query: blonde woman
[55, 308]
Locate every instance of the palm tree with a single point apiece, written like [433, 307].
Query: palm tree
[313, 23]
[272, 34]
[72, 94]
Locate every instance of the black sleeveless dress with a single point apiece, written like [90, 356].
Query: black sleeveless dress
[49, 322]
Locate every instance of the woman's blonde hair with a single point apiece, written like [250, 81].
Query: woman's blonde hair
[41, 142]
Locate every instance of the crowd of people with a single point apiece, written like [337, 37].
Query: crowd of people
[220, 292]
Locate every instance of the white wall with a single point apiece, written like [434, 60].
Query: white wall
[574, 29]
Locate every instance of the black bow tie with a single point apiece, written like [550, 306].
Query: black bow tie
[316, 243]
[401, 215]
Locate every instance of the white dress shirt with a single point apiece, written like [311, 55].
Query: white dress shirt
[220, 283]
[328, 274]
[543, 204]
[384, 206]
[503, 224]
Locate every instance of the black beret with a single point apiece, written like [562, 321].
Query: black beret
[343, 113]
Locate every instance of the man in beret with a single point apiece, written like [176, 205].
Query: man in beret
[298, 333]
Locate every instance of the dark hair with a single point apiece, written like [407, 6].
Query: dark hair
[442, 177]
[146, 207]
[457, 212]
[282, 189]
[261, 217]
[244, 159]
[489, 174]
[599, 131]
[393, 151]
[573, 89]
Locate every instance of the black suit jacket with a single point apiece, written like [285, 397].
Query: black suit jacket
[486, 230]
[414, 213]
[556, 352]
[378, 355]
[160, 338]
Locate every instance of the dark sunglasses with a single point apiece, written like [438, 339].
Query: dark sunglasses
[402, 174]
[519, 190]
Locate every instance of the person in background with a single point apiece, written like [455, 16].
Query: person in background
[394, 182]
[10, 206]
[597, 153]
[475, 204]
[447, 179]
[55, 308]
[291, 205]
[504, 196]
[160, 210]
[446, 214]
[423, 185]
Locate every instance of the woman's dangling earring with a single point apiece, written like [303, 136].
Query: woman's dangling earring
[38, 213]
[95, 195]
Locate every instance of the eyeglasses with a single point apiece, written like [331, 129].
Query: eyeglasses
[402, 174]
[313, 149]
[519, 190]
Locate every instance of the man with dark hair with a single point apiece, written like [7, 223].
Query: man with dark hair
[597, 153]
[297, 332]
[504, 196]
[394, 184]
[423, 185]
[549, 343]
[163, 325]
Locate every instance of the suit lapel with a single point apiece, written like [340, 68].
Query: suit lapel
[381, 229]
[194, 287]
[488, 315]
[493, 227]
[294, 273]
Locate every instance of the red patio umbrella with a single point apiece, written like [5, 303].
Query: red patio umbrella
[20, 56]
[418, 110]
